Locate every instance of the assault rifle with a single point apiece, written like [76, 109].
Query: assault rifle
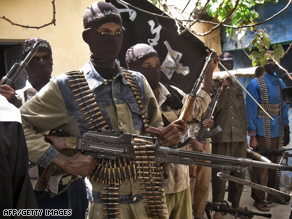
[15, 71]
[225, 208]
[188, 106]
[202, 132]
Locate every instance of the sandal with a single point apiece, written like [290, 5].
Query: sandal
[278, 200]
[218, 215]
[261, 206]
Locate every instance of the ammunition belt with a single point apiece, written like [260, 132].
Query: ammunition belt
[281, 138]
[151, 179]
[95, 121]
[266, 119]
[272, 109]
[87, 102]
[129, 76]
[114, 172]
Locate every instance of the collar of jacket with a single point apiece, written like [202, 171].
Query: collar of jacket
[163, 94]
[95, 80]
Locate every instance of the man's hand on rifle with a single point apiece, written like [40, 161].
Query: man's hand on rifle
[253, 142]
[208, 123]
[7, 92]
[79, 164]
[197, 146]
[169, 135]
[180, 125]
[206, 85]
[227, 82]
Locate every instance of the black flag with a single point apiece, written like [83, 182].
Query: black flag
[182, 56]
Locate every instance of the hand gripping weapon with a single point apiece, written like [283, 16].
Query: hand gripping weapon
[188, 106]
[15, 71]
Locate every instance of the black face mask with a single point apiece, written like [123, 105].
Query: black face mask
[270, 68]
[227, 64]
[39, 72]
[152, 75]
[104, 49]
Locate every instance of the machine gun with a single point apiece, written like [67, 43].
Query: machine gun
[15, 71]
[102, 145]
[145, 149]
[225, 208]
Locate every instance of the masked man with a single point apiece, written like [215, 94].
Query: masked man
[96, 97]
[143, 58]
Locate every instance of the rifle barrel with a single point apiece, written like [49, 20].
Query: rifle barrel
[272, 191]
[244, 162]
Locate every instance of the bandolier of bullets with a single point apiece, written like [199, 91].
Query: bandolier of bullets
[104, 171]
[137, 94]
[86, 101]
[265, 103]
[110, 198]
[150, 173]
[281, 135]
[273, 110]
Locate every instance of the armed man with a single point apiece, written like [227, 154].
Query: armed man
[98, 97]
[266, 133]
[230, 115]
[143, 58]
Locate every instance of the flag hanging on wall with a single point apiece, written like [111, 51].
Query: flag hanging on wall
[182, 56]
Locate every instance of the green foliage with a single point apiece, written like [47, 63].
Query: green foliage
[244, 15]
[154, 2]
[262, 42]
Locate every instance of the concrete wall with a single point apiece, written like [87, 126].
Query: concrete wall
[69, 50]
[212, 40]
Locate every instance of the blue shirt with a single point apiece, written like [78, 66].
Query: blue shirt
[255, 121]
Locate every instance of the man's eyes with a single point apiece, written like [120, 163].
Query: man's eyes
[118, 32]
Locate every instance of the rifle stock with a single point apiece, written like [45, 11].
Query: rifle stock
[41, 184]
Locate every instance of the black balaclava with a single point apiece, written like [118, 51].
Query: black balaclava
[136, 55]
[226, 58]
[270, 66]
[39, 72]
[104, 49]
